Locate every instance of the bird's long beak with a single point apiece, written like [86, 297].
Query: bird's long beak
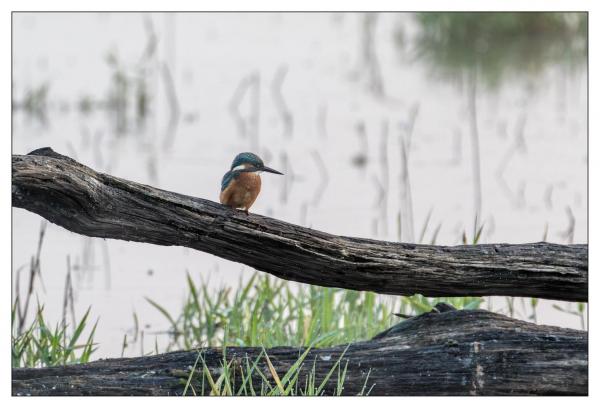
[270, 170]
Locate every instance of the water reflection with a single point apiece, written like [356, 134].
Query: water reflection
[487, 49]
[500, 46]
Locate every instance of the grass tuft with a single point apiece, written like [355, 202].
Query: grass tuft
[269, 312]
[39, 345]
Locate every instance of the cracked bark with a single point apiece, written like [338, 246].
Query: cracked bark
[84, 201]
[449, 353]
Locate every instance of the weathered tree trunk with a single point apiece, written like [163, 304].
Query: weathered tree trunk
[448, 353]
[99, 205]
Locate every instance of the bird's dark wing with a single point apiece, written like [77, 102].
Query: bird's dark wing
[227, 178]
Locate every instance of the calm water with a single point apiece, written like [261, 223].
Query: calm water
[332, 100]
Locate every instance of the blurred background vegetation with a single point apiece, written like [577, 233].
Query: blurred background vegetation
[498, 47]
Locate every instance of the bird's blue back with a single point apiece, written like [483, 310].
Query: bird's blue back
[228, 177]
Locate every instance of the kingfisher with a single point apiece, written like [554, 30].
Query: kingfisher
[241, 184]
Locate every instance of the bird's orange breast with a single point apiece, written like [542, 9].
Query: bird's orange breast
[242, 191]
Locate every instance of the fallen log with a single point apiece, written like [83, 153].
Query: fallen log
[449, 353]
[84, 201]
